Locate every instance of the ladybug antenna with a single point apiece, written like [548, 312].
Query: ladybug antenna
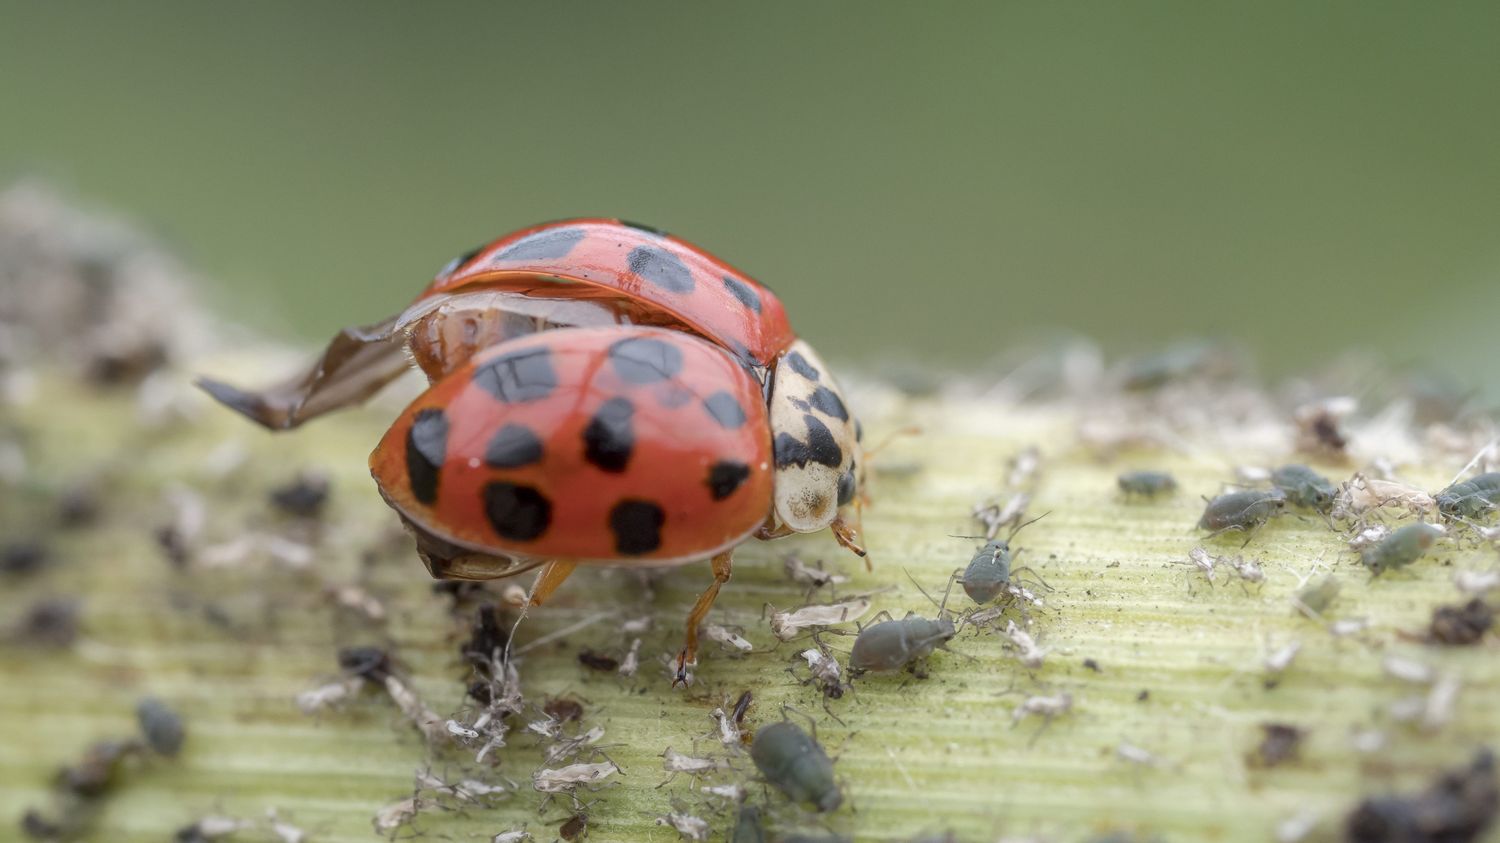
[909, 430]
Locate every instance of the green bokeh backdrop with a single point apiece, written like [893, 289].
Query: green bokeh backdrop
[943, 179]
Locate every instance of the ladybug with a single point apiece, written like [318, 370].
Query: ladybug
[601, 393]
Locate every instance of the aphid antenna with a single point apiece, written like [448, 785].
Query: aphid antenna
[1477, 457]
[1019, 527]
[941, 607]
[787, 709]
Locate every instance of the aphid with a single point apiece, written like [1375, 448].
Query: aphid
[161, 725]
[1320, 426]
[989, 570]
[1461, 625]
[304, 497]
[894, 644]
[996, 514]
[23, 558]
[796, 764]
[1304, 487]
[574, 827]
[1279, 743]
[749, 826]
[1473, 498]
[1360, 494]
[601, 394]
[1146, 484]
[1401, 548]
[1314, 598]
[824, 673]
[597, 661]
[49, 622]
[1459, 807]
[815, 577]
[1243, 510]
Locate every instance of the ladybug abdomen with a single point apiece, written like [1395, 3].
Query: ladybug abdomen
[600, 445]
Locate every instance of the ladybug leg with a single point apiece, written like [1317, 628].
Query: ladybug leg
[553, 575]
[847, 535]
[689, 655]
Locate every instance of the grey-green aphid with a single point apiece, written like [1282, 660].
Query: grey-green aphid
[749, 826]
[1146, 484]
[790, 759]
[1304, 487]
[1242, 510]
[1472, 498]
[988, 572]
[1401, 548]
[894, 644]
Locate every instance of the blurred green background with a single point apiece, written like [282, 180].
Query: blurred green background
[937, 179]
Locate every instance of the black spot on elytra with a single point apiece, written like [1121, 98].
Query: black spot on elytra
[457, 263]
[518, 376]
[800, 404]
[609, 438]
[649, 229]
[518, 513]
[800, 365]
[819, 448]
[645, 359]
[513, 446]
[847, 486]
[744, 292]
[426, 448]
[725, 410]
[542, 246]
[672, 395]
[661, 268]
[828, 401]
[637, 526]
[725, 477]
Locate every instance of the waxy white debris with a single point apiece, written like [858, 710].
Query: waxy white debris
[632, 661]
[1135, 755]
[1295, 828]
[356, 598]
[1045, 706]
[676, 762]
[1408, 670]
[397, 814]
[786, 625]
[459, 730]
[823, 667]
[996, 516]
[690, 827]
[1369, 537]
[332, 694]
[569, 778]
[566, 748]
[427, 721]
[1027, 651]
[725, 636]
[284, 831]
[214, 827]
[511, 837]
[1279, 661]
[729, 731]
[1477, 583]
[800, 572]
[733, 792]
[1438, 711]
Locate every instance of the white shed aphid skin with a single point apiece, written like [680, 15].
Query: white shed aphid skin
[686, 825]
[786, 625]
[727, 637]
[570, 778]
[819, 460]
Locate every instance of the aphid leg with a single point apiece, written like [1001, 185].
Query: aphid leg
[847, 535]
[723, 569]
[1032, 571]
[554, 574]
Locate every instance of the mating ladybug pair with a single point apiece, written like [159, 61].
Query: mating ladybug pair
[601, 394]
